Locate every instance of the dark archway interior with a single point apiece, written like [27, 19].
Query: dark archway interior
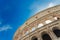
[34, 38]
[57, 32]
[46, 37]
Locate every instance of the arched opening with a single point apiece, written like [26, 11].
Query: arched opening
[57, 32]
[46, 37]
[34, 38]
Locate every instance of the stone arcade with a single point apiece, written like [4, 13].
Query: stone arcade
[45, 25]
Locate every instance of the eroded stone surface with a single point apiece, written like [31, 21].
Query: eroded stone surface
[25, 31]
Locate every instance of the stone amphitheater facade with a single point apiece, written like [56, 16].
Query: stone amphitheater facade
[45, 25]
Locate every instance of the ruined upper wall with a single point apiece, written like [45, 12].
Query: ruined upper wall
[35, 17]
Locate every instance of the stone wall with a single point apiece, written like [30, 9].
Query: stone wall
[52, 14]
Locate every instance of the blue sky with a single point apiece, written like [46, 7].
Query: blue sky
[13, 13]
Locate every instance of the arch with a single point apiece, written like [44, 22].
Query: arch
[56, 31]
[45, 36]
[34, 38]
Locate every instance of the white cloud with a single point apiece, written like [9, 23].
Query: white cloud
[35, 8]
[50, 5]
[5, 27]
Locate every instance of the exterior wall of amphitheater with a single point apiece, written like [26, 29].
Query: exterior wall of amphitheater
[49, 21]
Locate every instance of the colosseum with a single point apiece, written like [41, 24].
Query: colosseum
[45, 25]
